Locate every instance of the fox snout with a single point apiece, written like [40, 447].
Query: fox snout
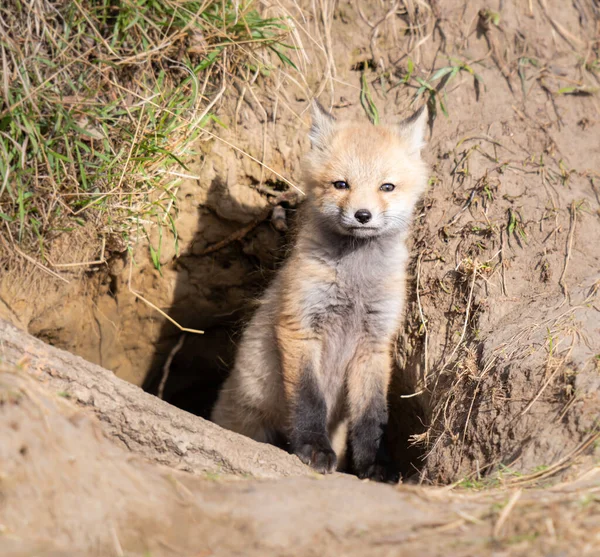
[369, 220]
[363, 216]
[366, 221]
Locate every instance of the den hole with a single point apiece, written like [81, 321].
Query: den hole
[187, 370]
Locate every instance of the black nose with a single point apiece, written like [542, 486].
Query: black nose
[363, 216]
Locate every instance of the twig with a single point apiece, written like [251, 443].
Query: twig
[39, 265]
[412, 395]
[487, 367]
[506, 512]
[573, 220]
[100, 261]
[118, 548]
[178, 174]
[467, 313]
[237, 235]
[426, 342]
[167, 366]
[565, 35]
[458, 344]
[560, 464]
[464, 207]
[502, 262]
[212, 103]
[484, 25]
[375, 32]
[147, 302]
[546, 383]
[484, 138]
[79, 264]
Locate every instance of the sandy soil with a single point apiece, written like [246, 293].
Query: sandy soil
[67, 490]
[502, 331]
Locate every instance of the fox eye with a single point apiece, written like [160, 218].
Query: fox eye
[387, 187]
[341, 185]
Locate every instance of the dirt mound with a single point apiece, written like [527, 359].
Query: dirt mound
[67, 490]
[141, 422]
[498, 366]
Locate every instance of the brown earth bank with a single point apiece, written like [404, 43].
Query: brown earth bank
[67, 489]
[499, 364]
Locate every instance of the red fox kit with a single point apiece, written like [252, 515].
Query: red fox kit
[317, 353]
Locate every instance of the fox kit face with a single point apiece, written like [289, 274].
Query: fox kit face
[364, 180]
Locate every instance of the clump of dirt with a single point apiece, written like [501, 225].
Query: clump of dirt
[498, 362]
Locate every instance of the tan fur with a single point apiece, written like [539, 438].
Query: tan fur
[336, 305]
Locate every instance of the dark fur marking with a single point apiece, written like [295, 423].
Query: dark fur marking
[367, 444]
[308, 436]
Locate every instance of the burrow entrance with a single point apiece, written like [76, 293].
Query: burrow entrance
[188, 369]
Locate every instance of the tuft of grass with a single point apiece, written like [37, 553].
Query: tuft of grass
[100, 101]
[435, 86]
[516, 225]
[490, 16]
[366, 100]
[523, 63]
[410, 68]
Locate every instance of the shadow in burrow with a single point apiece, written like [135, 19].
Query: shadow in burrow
[216, 293]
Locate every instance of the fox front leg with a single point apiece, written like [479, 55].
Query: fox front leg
[307, 407]
[308, 435]
[368, 382]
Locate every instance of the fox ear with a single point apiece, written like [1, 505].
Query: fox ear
[412, 130]
[322, 125]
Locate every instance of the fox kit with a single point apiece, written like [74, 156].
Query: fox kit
[318, 352]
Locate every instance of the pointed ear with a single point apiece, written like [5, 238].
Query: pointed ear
[322, 126]
[412, 130]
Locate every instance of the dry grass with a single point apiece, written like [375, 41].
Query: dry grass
[562, 519]
[99, 103]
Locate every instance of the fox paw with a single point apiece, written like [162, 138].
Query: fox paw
[318, 454]
[379, 472]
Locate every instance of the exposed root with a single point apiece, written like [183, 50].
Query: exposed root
[242, 232]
